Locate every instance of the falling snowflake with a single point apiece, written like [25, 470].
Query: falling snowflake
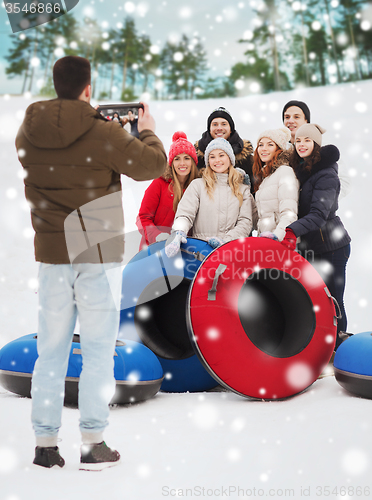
[299, 375]
[355, 462]
[205, 416]
[8, 460]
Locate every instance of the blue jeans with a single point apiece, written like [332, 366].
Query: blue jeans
[65, 293]
[336, 279]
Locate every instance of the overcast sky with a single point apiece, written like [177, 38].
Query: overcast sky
[219, 24]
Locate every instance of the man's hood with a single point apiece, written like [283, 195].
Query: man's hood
[58, 123]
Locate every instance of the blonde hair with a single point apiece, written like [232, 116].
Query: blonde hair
[175, 186]
[234, 181]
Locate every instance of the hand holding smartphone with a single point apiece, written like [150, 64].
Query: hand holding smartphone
[122, 108]
[145, 119]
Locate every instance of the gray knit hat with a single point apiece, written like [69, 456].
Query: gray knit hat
[219, 143]
[311, 130]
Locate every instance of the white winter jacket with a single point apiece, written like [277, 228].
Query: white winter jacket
[277, 201]
[220, 216]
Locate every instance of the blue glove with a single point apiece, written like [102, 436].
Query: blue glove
[215, 242]
[246, 179]
[173, 247]
[269, 234]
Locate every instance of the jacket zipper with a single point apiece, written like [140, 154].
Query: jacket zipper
[321, 234]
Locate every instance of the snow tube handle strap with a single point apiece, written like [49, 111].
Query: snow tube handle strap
[198, 256]
[212, 292]
[338, 309]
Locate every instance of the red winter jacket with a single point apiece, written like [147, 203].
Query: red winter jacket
[156, 213]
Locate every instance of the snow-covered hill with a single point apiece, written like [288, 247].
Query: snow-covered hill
[344, 110]
[174, 445]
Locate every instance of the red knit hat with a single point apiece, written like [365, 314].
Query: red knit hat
[179, 145]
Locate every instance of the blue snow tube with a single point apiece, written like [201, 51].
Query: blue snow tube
[353, 364]
[137, 371]
[153, 310]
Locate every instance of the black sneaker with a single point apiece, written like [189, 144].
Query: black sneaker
[48, 457]
[98, 457]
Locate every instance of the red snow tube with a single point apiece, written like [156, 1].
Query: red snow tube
[261, 319]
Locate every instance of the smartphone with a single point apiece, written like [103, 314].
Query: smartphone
[122, 108]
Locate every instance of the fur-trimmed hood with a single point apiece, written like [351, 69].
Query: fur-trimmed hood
[283, 158]
[320, 229]
[329, 155]
[242, 148]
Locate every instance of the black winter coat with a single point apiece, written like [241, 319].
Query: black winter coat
[242, 148]
[320, 229]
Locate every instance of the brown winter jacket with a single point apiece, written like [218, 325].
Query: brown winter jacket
[73, 159]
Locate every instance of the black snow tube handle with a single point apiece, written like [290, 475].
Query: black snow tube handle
[338, 309]
[212, 292]
[197, 255]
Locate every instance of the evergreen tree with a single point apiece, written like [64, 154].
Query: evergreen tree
[364, 42]
[61, 32]
[149, 62]
[317, 45]
[19, 58]
[217, 87]
[263, 53]
[329, 19]
[127, 45]
[350, 24]
[256, 70]
[183, 65]
[113, 57]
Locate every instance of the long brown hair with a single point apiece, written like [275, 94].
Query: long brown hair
[309, 161]
[259, 171]
[175, 186]
[234, 181]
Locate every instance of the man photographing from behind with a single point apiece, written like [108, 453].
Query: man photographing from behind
[73, 158]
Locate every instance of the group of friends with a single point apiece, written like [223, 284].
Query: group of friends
[217, 189]
[130, 120]
[220, 189]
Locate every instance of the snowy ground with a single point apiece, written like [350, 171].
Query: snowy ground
[212, 440]
[177, 444]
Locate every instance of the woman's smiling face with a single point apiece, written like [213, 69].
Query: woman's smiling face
[266, 149]
[304, 146]
[182, 165]
[219, 161]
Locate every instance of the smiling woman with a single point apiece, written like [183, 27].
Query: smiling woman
[216, 208]
[160, 201]
[323, 235]
[275, 184]
[219, 161]
[220, 125]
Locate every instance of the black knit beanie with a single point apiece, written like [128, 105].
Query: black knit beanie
[300, 105]
[221, 113]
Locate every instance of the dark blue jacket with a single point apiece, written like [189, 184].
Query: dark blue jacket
[320, 229]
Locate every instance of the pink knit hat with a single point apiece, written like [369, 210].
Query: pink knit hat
[180, 145]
